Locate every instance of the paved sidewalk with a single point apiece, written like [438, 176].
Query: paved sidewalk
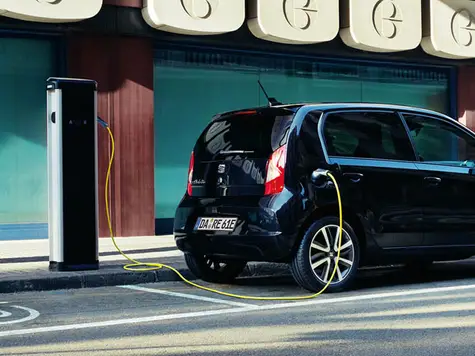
[24, 265]
[37, 251]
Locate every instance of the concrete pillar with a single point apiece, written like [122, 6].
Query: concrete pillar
[123, 68]
[466, 96]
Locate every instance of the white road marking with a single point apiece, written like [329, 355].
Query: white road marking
[369, 297]
[33, 314]
[190, 296]
[116, 322]
[4, 314]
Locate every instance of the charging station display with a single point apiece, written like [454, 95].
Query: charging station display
[72, 174]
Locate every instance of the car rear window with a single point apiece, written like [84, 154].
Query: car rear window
[258, 134]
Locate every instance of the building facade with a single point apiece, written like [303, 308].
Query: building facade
[165, 67]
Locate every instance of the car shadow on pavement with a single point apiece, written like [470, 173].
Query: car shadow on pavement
[403, 276]
[386, 276]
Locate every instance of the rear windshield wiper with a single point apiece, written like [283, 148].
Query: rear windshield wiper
[235, 152]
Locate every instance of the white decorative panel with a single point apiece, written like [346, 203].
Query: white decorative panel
[381, 25]
[195, 17]
[52, 11]
[294, 21]
[449, 28]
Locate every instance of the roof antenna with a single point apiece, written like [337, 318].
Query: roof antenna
[270, 101]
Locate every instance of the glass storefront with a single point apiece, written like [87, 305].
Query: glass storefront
[191, 86]
[25, 64]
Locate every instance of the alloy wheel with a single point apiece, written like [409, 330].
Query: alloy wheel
[323, 254]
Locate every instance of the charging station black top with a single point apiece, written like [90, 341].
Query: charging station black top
[62, 83]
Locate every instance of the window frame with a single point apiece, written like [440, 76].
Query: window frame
[455, 124]
[323, 141]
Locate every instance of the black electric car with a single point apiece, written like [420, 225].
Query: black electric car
[406, 175]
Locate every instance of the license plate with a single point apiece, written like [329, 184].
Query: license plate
[215, 224]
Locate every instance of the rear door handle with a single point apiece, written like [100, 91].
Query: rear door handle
[354, 177]
[433, 180]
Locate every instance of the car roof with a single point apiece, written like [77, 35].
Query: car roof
[331, 106]
[347, 105]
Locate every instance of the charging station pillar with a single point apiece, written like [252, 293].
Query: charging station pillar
[72, 174]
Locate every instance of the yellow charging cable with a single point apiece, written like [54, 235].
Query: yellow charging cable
[137, 266]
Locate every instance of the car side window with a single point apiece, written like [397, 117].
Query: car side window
[378, 135]
[440, 142]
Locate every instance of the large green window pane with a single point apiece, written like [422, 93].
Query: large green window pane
[295, 89]
[192, 86]
[24, 67]
[427, 96]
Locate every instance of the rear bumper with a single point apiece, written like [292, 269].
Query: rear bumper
[268, 248]
[258, 236]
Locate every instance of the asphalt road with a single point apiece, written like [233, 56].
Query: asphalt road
[390, 312]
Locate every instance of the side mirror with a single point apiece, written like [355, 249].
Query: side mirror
[469, 164]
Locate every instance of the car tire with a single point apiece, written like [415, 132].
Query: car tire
[315, 248]
[214, 271]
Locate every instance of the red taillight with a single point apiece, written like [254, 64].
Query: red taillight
[275, 171]
[247, 112]
[189, 188]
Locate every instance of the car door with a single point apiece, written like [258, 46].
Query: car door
[377, 173]
[447, 153]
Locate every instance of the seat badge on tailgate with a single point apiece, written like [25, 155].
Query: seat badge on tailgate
[221, 168]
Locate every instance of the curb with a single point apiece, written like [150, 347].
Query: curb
[121, 277]
[80, 281]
